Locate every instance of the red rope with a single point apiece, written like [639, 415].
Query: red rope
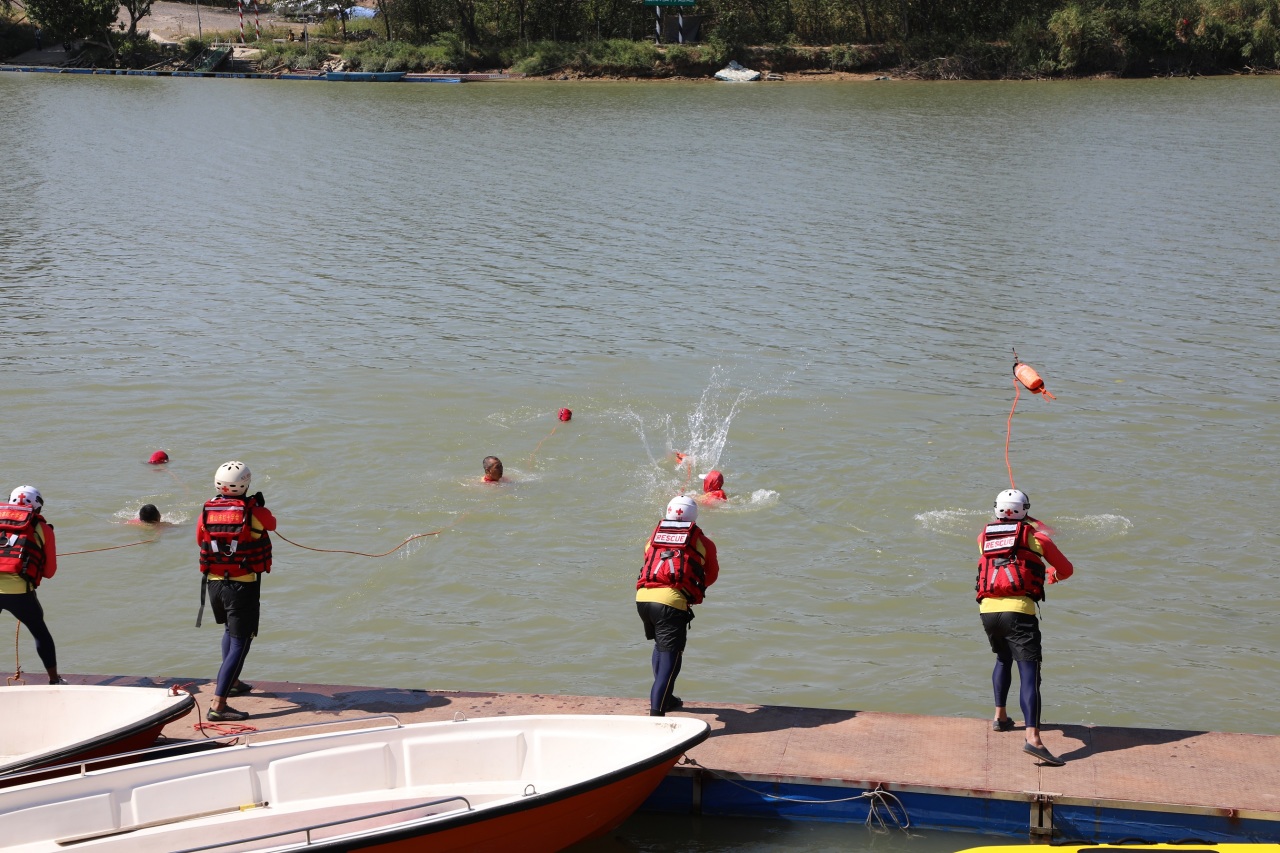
[1017, 391]
[539, 444]
[108, 548]
[16, 678]
[361, 553]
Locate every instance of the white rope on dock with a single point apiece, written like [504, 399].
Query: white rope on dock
[879, 797]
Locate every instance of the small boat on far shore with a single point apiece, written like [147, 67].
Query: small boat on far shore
[63, 723]
[365, 76]
[735, 73]
[527, 783]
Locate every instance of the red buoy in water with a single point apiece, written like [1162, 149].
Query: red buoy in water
[1026, 374]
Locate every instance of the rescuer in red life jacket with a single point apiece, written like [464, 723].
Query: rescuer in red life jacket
[712, 488]
[28, 555]
[235, 551]
[1017, 559]
[679, 564]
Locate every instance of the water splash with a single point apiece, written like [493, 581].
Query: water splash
[708, 424]
[680, 455]
[966, 522]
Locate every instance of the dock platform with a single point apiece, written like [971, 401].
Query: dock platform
[941, 773]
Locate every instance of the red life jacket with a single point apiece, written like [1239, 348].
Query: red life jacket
[232, 545]
[673, 561]
[1008, 566]
[21, 551]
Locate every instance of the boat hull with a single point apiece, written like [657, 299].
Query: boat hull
[533, 827]
[80, 723]
[533, 783]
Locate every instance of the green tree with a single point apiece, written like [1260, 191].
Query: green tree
[137, 9]
[75, 19]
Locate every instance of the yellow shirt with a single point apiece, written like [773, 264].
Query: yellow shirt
[663, 595]
[11, 584]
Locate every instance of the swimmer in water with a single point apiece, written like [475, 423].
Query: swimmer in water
[147, 514]
[712, 488]
[492, 469]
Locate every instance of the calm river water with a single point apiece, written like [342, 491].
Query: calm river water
[360, 291]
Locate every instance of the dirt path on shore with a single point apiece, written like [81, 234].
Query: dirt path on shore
[171, 21]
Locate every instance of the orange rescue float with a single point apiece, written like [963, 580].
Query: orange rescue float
[1026, 374]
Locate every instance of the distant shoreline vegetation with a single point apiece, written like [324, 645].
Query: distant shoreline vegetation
[922, 39]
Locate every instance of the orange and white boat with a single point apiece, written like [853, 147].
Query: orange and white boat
[55, 724]
[532, 783]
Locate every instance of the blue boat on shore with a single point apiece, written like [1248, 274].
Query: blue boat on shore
[365, 76]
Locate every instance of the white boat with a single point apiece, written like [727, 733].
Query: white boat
[526, 783]
[57, 724]
[735, 73]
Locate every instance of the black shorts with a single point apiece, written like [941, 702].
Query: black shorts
[236, 605]
[667, 626]
[1012, 634]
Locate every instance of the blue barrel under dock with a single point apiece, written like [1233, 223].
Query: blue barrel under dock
[940, 773]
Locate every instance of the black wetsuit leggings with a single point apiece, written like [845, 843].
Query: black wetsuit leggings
[234, 652]
[1028, 687]
[26, 608]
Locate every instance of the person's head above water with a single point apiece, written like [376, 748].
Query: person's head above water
[713, 487]
[149, 514]
[492, 469]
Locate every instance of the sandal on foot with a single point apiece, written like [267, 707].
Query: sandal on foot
[226, 715]
[239, 689]
[1005, 725]
[1043, 754]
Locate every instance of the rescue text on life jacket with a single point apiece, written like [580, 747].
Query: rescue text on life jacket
[1008, 566]
[673, 561]
[232, 547]
[21, 551]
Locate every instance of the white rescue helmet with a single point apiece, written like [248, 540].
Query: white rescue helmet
[1012, 503]
[682, 508]
[27, 496]
[232, 479]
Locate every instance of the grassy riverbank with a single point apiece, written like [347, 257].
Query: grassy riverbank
[1140, 38]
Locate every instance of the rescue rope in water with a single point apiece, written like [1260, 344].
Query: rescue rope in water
[109, 547]
[361, 553]
[564, 415]
[1024, 375]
